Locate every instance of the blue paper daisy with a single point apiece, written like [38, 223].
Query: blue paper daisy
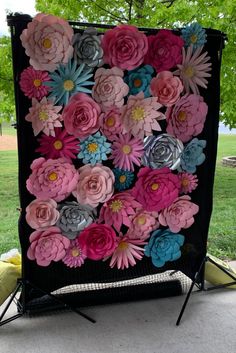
[139, 80]
[67, 80]
[123, 179]
[94, 149]
[194, 34]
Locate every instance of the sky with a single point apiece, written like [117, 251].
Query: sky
[23, 6]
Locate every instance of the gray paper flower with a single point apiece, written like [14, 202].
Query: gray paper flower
[162, 151]
[87, 48]
[74, 218]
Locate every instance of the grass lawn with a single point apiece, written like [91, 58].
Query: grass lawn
[222, 233]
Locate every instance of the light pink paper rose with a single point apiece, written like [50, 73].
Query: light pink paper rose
[142, 224]
[47, 246]
[95, 185]
[42, 214]
[109, 89]
[166, 87]
[48, 42]
[52, 178]
[187, 117]
[111, 123]
[179, 214]
[124, 46]
[81, 116]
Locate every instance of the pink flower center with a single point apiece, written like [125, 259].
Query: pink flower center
[155, 186]
[116, 205]
[58, 145]
[141, 220]
[137, 82]
[37, 82]
[123, 246]
[68, 85]
[52, 176]
[182, 116]
[47, 43]
[189, 71]
[43, 115]
[138, 113]
[126, 149]
[110, 121]
[122, 178]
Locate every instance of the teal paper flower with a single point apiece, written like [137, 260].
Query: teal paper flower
[164, 246]
[194, 34]
[68, 80]
[192, 155]
[123, 179]
[94, 149]
[139, 80]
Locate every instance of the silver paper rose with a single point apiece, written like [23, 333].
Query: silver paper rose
[87, 48]
[162, 151]
[74, 218]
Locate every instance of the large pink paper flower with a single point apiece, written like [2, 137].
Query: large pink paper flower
[31, 83]
[109, 89]
[125, 47]
[44, 116]
[47, 41]
[42, 214]
[126, 254]
[52, 178]
[95, 185]
[142, 224]
[117, 210]
[97, 241]
[140, 115]
[111, 123]
[60, 146]
[74, 256]
[156, 189]
[187, 117]
[164, 50]
[179, 214]
[126, 151]
[166, 87]
[81, 116]
[47, 246]
[189, 182]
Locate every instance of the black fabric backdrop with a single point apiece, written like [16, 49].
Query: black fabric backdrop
[57, 275]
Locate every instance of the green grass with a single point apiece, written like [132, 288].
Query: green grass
[222, 233]
[7, 129]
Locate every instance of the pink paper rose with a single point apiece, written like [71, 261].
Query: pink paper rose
[187, 117]
[52, 178]
[164, 51]
[42, 214]
[95, 185]
[166, 87]
[125, 47]
[111, 123]
[47, 245]
[81, 116]
[179, 214]
[156, 189]
[97, 241]
[47, 41]
[142, 224]
[109, 89]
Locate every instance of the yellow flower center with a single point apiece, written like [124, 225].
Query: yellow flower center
[193, 38]
[58, 145]
[155, 186]
[75, 252]
[141, 220]
[47, 43]
[116, 205]
[92, 147]
[185, 182]
[126, 149]
[182, 116]
[123, 245]
[189, 71]
[68, 85]
[52, 176]
[138, 113]
[122, 178]
[37, 82]
[43, 116]
[110, 121]
[137, 82]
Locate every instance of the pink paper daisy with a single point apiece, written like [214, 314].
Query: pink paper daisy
[194, 69]
[140, 115]
[74, 256]
[127, 253]
[111, 123]
[31, 83]
[117, 210]
[60, 146]
[189, 182]
[44, 116]
[126, 151]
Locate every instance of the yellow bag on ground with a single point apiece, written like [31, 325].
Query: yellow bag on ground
[216, 276]
[10, 271]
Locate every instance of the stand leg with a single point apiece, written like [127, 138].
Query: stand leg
[8, 305]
